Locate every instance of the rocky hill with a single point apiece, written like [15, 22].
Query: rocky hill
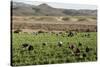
[23, 9]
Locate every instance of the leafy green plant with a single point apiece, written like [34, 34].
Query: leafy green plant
[51, 53]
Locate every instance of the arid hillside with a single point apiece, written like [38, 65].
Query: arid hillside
[23, 9]
[52, 23]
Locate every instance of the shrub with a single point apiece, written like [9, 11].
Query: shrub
[17, 31]
[65, 18]
[82, 19]
[25, 45]
[80, 44]
[87, 49]
[94, 18]
[30, 48]
[41, 31]
[70, 34]
[45, 43]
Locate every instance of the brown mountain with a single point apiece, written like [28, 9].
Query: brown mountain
[22, 9]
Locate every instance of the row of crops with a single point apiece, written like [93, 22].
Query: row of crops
[51, 48]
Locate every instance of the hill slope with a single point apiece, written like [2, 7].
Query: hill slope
[22, 9]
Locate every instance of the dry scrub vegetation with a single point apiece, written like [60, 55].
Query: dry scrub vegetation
[57, 23]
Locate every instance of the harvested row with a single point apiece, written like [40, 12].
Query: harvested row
[56, 27]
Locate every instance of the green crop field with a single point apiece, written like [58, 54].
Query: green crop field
[51, 52]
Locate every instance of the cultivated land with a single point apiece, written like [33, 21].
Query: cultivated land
[52, 53]
[53, 39]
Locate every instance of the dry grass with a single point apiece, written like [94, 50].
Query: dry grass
[50, 23]
[56, 27]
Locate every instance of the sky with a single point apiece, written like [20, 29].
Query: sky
[60, 5]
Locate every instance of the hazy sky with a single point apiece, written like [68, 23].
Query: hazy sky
[60, 5]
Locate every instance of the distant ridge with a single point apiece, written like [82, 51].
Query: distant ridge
[22, 9]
